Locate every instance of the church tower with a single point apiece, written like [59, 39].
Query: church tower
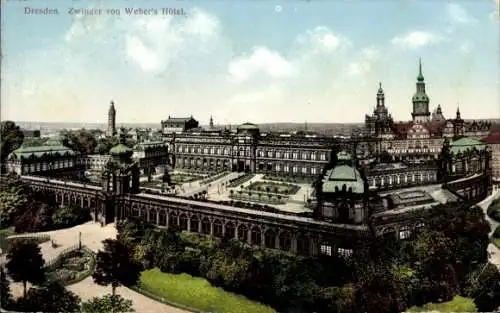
[111, 120]
[211, 122]
[421, 113]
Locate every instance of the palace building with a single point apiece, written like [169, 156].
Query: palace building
[360, 184]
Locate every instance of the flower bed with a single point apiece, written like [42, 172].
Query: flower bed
[273, 187]
[72, 266]
[240, 180]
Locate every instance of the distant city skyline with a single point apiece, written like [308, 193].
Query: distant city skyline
[257, 61]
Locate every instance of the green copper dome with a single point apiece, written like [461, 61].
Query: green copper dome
[120, 149]
[420, 96]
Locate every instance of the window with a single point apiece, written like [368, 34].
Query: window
[404, 232]
[322, 157]
[295, 155]
[304, 170]
[344, 252]
[326, 249]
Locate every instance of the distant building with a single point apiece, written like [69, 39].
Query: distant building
[53, 158]
[178, 124]
[111, 120]
[31, 133]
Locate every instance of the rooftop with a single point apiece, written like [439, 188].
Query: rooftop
[343, 175]
[466, 143]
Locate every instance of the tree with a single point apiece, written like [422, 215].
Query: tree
[5, 294]
[106, 304]
[81, 141]
[115, 265]
[51, 298]
[13, 197]
[36, 216]
[25, 264]
[11, 138]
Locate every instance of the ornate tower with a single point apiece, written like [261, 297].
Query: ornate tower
[420, 100]
[111, 120]
[458, 125]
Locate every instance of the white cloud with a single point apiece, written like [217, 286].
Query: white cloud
[260, 61]
[458, 15]
[152, 43]
[416, 39]
[364, 62]
[322, 40]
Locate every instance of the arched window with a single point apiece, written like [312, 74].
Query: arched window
[162, 219]
[183, 222]
[243, 233]
[144, 214]
[205, 226]
[302, 245]
[135, 212]
[195, 222]
[172, 219]
[285, 241]
[256, 236]
[230, 230]
[152, 216]
[270, 239]
[217, 228]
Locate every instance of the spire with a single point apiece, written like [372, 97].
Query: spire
[380, 90]
[458, 112]
[211, 122]
[420, 75]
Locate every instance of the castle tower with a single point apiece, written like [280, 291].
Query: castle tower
[380, 96]
[111, 120]
[421, 113]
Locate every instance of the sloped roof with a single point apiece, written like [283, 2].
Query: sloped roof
[36, 152]
[120, 149]
[466, 143]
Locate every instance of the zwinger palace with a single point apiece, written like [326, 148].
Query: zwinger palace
[369, 184]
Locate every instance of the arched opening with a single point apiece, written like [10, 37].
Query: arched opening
[205, 226]
[144, 213]
[243, 233]
[152, 216]
[183, 222]
[173, 220]
[302, 245]
[162, 218]
[270, 239]
[230, 230]
[217, 228]
[135, 212]
[194, 224]
[256, 238]
[285, 241]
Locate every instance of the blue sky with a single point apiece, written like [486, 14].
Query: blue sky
[259, 61]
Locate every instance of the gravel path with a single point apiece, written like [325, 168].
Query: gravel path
[92, 235]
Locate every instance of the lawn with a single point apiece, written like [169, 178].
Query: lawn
[458, 304]
[197, 293]
[279, 188]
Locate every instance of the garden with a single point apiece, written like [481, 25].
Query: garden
[272, 187]
[290, 178]
[256, 196]
[197, 293]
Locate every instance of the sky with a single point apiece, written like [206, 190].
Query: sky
[316, 61]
